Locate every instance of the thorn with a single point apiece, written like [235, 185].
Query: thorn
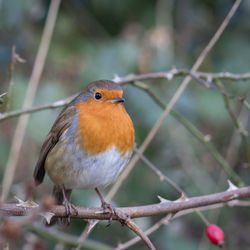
[92, 224]
[169, 76]
[116, 78]
[231, 186]
[26, 204]
[182, 198]
[3, 94]
[162, 199]
[100, 212]
[209, 79]
[207, 138]
[48, 216]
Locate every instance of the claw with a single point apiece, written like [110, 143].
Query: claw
[122, 217]
[69, 207]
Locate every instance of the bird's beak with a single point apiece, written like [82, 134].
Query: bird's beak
[118, 100]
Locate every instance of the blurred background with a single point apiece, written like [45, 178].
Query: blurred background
[100, 39]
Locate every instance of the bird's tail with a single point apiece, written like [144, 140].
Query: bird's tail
[58, 194]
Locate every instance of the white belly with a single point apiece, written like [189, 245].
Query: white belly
[74, 169]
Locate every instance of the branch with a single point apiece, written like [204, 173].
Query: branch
[52, 105]
[130, 224]
[163, 207]
[134, 78]
[29, 98]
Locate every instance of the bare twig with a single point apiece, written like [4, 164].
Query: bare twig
[53, 105]
[157, 171]
[135, 80]
[237, 123]
[174, 99]
[32, 87]
[163, 221]
[14, 59]
[209, 86]
[169, 75]
[90, 226]
[130, 224]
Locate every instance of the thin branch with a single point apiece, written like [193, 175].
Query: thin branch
[135, 80]
[53, 105]
[130, 224]
[87, 230]
[157, 171]
[237, 123]
[163, 207]
[30, 95]
[169, 75]
[14, 59]
[156, 226]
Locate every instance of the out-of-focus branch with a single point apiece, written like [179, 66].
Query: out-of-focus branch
[237, 123]
[14, 59]
[29, 98]
[163, 207]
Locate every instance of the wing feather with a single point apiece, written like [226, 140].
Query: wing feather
[62, 123]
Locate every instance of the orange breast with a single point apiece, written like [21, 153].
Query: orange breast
[103, 125]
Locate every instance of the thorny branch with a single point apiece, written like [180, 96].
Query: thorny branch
[204, 78]
[164, 207]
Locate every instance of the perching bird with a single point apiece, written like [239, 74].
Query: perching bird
[89, 144]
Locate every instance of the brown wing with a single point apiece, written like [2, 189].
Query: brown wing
[62, 122]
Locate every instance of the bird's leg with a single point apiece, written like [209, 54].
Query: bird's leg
[112, 210]
[68, 206]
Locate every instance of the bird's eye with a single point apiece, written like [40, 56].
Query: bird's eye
[98, 96]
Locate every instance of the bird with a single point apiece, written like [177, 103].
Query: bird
[89, 144]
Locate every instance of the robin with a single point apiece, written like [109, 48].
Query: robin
[89, 144]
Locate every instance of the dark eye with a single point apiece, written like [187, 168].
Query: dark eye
[98, 96]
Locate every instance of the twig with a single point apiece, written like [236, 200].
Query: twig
[174, 99]
[163, 221]
[169, 75]
[157, 171]
[90, 226]
[1, 98]
[206, 84]
[14, 59]
[163, 207]
[130, 224]
[135, 80]
[53, 105]
[32, 87]
[168, 180]
[237, 123]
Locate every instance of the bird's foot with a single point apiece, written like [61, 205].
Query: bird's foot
[122, 217]
[69, 207]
